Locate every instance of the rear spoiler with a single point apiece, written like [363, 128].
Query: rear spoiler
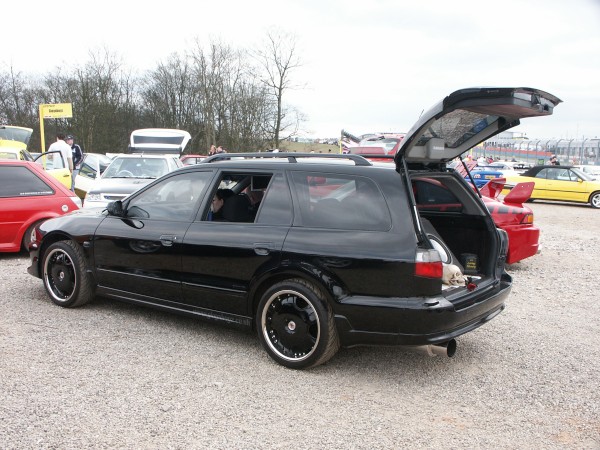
[517, 195]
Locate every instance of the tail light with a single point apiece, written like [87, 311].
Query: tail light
[428, 264]
[528, 218]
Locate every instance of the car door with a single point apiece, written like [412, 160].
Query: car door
[560, 183]
[572, 187]
[221, 259]
[56, 166]
[138, 254]
[89, 172]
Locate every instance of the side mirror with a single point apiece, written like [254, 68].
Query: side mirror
[115, 208]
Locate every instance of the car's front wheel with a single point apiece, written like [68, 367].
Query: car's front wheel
[295, 324]
[64, 275]
[595, 199]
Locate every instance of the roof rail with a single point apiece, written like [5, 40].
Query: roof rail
[291, 157]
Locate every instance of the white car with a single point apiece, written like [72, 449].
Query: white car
[592, 171]
[126, 174]
[152, 152]
[506, 168]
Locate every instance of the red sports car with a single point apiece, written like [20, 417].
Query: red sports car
[512, 215]
[509, 213]
[28, 195]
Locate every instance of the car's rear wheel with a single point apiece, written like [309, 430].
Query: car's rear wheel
[595, 199]
[295, 324]
[64, 275]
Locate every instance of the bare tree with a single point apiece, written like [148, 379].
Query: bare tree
[278, 58]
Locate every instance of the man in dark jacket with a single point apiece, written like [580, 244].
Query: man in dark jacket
[77, 158]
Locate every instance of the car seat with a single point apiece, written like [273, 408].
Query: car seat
[237, 209]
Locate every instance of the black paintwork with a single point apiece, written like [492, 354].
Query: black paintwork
[218, 270]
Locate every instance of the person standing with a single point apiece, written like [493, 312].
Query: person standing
[65, 151]
[77, 155]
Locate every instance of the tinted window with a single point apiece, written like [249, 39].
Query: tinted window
[276, 207]
[431, 195]
[175, 198]
[21, 182]
[340, 201]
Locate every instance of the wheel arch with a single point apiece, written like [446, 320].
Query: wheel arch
[57, 236]
[310, 274]
[590, 199]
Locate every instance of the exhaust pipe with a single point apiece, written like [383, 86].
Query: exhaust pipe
[444, 349]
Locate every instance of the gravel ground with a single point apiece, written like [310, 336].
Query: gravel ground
[113, 375]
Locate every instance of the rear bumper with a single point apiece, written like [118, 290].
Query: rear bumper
[523, 242]
[416, 321]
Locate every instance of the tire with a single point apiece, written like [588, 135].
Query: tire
[595, 200]
[27, 236]
[64, 275]
[295, 325]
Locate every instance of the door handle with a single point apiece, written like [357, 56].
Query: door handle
[263, 248]
[167, 240]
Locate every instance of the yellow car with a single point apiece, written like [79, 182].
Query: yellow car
[13, 145]
[561, 183]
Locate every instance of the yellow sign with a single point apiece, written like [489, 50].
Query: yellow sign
[56, 111]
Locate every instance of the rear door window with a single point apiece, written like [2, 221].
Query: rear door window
[337, 201]
[21, 182]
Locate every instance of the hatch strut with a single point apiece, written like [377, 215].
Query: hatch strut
[468, 172]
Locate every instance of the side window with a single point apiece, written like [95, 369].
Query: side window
[21, 182]
[276, 206]
[341, 202]
[239, 196]
[87, 171]
[175, 198]
[570, 175]
[433, 196]
[543, 174]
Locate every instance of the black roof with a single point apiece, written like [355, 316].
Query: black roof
[535, 169]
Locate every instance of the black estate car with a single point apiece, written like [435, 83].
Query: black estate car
[312, 251]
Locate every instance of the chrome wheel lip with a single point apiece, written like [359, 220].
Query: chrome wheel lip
[50, 263]
[292, 325]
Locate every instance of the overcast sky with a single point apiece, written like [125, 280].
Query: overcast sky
[368, 66]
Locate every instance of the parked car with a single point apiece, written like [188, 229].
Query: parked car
[126, 174]
[592, 171]
[15, 153]
[506, 168]
[509, 212]
[14, 137]
[561, 183]
[92, 167]
[28, 196]
[337, 253]
[13, 145]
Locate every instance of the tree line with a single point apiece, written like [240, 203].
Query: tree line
[221, 95]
